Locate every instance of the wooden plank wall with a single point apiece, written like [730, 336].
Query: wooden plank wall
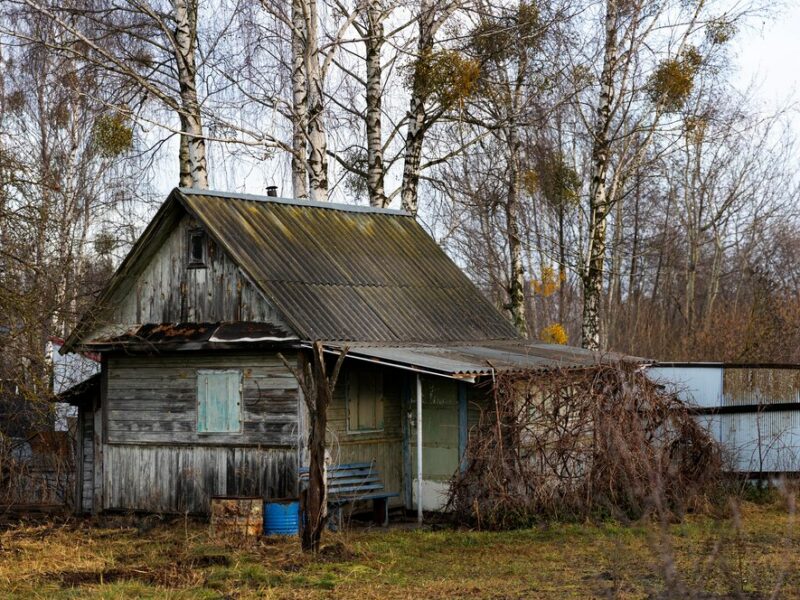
[384, 447]
[153, 400]
[86, 466]
[154, 459]
[166, 291]
[178, 479]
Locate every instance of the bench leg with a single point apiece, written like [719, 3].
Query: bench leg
[380, 511]
[335, 520]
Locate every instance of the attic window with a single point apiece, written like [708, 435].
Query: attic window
[197, 249]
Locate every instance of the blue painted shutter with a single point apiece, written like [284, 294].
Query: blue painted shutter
[219, 401]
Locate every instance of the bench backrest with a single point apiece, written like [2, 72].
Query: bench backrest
[350, 479]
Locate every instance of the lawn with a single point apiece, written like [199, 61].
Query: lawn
[751, 553]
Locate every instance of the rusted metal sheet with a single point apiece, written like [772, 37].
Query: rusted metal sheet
[237, 516]
[193, 335]
[340, 272]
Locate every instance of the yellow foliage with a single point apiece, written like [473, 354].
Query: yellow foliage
[449, 76]
[112, 134]
[673, 80]
[548, 284]
[530, 181]
[554, 334]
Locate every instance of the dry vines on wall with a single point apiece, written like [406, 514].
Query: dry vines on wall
[567, 444]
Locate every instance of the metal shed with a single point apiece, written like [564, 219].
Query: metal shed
[753, 410]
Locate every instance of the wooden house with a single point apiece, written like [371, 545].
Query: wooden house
[193, 400]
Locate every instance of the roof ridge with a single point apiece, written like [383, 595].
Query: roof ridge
[356, 208]
[366, 285]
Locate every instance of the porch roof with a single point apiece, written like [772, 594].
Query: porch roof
[469, 361]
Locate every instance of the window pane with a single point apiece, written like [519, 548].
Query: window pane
[365, 400]
[197, 247]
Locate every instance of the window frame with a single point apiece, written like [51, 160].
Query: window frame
[352, 375]
[191, 261]
[239, 402]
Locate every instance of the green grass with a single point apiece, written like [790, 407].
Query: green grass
[753, 555]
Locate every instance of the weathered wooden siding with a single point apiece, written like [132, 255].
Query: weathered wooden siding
[86, 461]
[478, 398]
[177, 479]
[153, 400]
[167, 291]
[384, 447]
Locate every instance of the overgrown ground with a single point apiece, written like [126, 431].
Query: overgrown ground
[751, 553]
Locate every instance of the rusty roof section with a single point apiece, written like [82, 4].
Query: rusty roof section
[194, 336]
[342, 272]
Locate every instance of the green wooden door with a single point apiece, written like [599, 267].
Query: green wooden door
[439, 429]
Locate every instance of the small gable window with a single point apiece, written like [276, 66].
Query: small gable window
[364, 400]
[197, 248]
[219, 401]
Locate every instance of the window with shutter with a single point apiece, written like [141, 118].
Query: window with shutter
[364, 400]
[219, 401]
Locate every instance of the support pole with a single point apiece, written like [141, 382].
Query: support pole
[419, 448]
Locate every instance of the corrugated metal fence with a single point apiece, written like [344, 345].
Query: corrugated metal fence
[752, 410]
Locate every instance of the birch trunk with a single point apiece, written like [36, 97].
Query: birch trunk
[415, 134]
[599, 205]
[317, 161]
[184, 164]
[192, 152]
[374, 43]
[299, 103]
[516, 286]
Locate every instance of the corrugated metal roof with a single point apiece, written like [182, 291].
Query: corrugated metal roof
[340, 272]
[475, 360]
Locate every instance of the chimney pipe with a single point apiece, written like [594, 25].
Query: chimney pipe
[272, 191]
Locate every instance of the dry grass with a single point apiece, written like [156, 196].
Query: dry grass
[746, 555]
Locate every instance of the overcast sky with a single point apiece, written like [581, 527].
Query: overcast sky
[768, 53]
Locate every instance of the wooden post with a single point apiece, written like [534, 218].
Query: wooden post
[419, 448]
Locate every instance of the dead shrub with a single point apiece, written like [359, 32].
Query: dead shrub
[598, 442]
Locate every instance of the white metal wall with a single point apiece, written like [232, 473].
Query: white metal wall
[699, 385]
[755, 440]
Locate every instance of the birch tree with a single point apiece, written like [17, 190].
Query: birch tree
[151, 50]
[192, 160]
[432, 15]
[374, 40]
[648, 68]
[299, 113]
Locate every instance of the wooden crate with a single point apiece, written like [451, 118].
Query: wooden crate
[237, 515]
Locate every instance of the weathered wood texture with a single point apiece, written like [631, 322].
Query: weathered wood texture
[168, 291]
[85, 463]
[479, 399]
[153, 400]
[178, 479]
[384, 447]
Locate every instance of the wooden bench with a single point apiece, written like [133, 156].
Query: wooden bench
[352, 483]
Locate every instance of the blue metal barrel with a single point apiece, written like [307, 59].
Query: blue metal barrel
[281, 516]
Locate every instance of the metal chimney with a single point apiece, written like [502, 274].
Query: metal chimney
[272, 191]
